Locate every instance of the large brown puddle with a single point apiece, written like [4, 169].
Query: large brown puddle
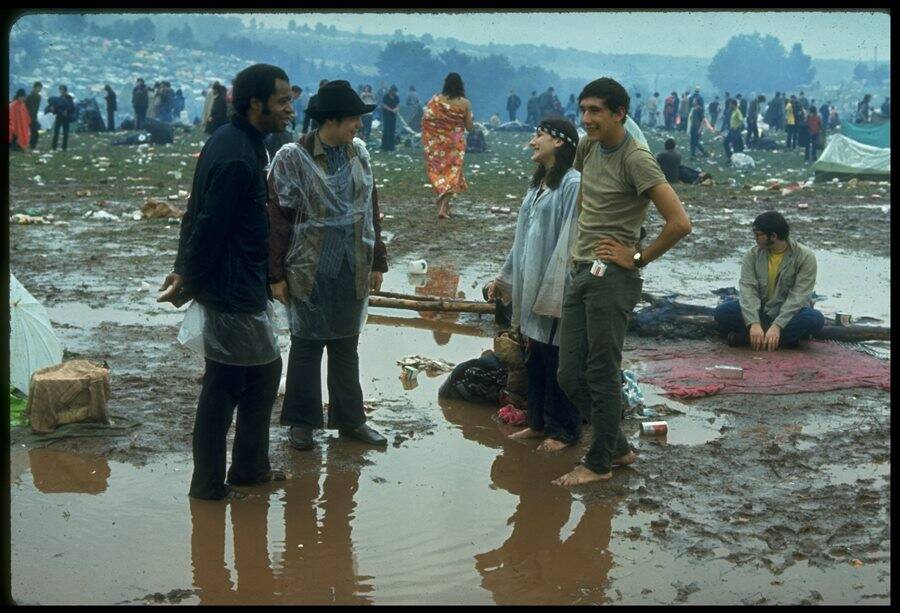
[452, 512]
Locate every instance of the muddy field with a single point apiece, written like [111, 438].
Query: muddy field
[749, 499]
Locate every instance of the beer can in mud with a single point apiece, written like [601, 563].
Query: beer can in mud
[843, 319]
[654, 427]
[598, 268]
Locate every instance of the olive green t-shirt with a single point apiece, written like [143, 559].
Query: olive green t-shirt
[613, 182]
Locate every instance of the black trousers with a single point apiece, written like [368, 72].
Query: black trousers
[57, 124]
[111, 120]
[35, 132]
[140, 114]
[752, 132]
[253, 390]
[303, 390]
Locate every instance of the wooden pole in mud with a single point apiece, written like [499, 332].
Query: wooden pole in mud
[446, 305]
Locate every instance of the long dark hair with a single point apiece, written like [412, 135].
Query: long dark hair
[453, 86]
[564, 156]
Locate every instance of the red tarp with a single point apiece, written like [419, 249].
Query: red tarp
[817, 366]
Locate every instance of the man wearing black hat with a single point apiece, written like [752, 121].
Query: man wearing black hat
[325, 254]
[308, 121]
[222, 264]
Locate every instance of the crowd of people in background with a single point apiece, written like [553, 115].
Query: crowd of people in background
[737, 121]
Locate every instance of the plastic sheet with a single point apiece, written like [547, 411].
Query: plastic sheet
[847, 156]
[329, 260]
[240, 339]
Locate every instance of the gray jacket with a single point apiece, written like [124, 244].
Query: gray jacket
[793, 286]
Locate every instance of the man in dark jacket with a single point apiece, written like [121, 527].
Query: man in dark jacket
[33, 104]
[545, 103]
[533, 110]
[110, 108]
[64, 109]
[512, 105]
[753, 111]
[713, 111]
[140, 99]
[166, 102]
[222, 264]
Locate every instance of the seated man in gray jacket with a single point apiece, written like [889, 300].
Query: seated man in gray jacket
[778, 276]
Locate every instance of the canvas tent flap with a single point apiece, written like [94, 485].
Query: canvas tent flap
[875, 135]
[847, 156]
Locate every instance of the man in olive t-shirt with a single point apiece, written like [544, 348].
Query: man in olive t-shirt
[619, 179]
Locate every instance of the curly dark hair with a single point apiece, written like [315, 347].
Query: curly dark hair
[257, 81]
[453, 86]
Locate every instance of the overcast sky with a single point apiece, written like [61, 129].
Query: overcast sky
[825, 35]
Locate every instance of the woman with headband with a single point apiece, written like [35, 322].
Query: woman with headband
[534, 276]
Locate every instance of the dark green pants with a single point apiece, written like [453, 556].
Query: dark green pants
[591, 335]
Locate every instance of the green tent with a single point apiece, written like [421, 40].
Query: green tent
[847, 158]
[876, 135]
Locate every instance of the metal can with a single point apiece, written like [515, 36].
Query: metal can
[654, 427]
[598, 268]
[842, 319]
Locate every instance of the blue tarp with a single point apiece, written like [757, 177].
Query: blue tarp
[874, 135]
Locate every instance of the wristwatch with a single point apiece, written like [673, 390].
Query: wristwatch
[638, 260]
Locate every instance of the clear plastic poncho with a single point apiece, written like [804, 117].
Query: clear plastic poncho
[329, 260]
[239, 339]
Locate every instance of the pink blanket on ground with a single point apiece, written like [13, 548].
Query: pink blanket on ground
[817, 366]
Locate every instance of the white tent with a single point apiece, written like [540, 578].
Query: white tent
[32, 342]
[845, 156]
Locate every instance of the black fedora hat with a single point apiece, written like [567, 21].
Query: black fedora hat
[337, 98]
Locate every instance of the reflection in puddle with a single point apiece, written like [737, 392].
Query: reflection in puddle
[441, 282]
[539, 562]
[312, 563]
[56, 472]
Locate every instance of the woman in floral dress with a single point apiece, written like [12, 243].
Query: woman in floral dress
[447, 116]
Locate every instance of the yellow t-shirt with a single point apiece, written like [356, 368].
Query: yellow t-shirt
[774, 263]
[789, 114]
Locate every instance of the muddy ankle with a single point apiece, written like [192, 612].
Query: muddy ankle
[628, 458]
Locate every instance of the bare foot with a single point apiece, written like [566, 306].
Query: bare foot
[527, 433]
[625, 460]
[551, 444]
[581, 475]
